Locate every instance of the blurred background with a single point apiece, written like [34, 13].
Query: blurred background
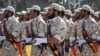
[69, 4]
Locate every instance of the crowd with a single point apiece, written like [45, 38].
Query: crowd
[53, 31]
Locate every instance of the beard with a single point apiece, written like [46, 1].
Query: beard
[6, 15]
[51, 16]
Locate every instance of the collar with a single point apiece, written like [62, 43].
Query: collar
[12, 17]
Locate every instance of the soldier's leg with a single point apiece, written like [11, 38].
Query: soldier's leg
[87, 51]
[35, 50]
[8, 49]
[49, 52]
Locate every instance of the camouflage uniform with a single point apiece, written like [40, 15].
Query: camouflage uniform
[58, 31]
[38, 25]
[90, 25]
[11, 25]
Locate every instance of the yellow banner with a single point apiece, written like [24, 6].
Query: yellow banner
[28, 50]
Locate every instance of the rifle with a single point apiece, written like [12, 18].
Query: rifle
[52, 46]
[91, 42]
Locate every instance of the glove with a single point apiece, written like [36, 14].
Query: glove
[98, 38]
[2, 38]
[38, 41]
[72, 39]
[80, 42]
[28, 40]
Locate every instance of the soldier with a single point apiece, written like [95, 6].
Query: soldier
[2, 37]
[50, 15]
[98, 21]
[58, 28]
[89, 25]
[38, 28]
[44, 15]
[70, 31]
[19, 16]
[62, 11]
[97, 18]
[10, 28]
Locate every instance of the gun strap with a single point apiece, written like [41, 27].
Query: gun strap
[27, 31]
[32, 32]
[1, 44]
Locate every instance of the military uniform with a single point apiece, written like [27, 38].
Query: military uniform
[58, 30]
[39, 30]
[98, 36]
[11, 25]
[90, 25]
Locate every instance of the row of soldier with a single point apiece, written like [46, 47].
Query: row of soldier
[53, 32]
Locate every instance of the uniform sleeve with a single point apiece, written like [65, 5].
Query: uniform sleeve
[94, 30]
[94, 27]
[41, 29]
[61, 31]
[15, 28]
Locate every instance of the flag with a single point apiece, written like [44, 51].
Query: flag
[95, 47]
[28, 49]
[18, 47]
[73, 49]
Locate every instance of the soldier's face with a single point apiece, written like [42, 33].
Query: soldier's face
[67, 17]
[1, 16]
[25, 16]
[56, 13]
[45, 17]
[83, 13]
[50, 11]
[96, 18]
[20, 16]
[32, 13]
[77, 13]
[6, 14]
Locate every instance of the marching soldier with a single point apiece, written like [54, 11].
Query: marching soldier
[2, 37]
[57, 29]
[10, 25]
[97, 18]
[89, 24]
[99, 31]
[70, 32]
[38, 29]
[50, 15]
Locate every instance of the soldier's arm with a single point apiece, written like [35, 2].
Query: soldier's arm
[15, 24]
[57, 38]
[41, 29]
